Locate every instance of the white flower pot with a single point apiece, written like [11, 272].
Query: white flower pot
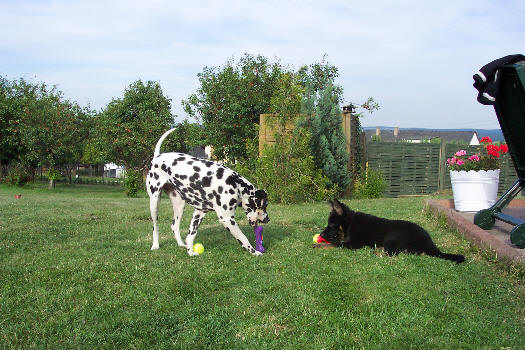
[474, 190]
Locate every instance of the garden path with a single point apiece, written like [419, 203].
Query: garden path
[496, 239]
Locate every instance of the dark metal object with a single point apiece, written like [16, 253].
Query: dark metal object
[510, 109]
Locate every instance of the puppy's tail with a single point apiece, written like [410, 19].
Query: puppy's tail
[457, 258]
[432, 250]
[159, 142]
[452, 257]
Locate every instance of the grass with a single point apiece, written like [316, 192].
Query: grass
[76, 271]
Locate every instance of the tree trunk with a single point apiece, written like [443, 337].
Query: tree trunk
[3, 170]
[51, 184]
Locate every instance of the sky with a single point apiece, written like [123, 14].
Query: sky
[415, 58]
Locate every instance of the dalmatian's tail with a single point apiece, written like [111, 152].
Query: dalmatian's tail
[159, 142]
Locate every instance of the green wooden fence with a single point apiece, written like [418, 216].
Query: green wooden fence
[420, 168]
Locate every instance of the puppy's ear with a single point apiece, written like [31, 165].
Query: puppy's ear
[331, 204]
[337, 207]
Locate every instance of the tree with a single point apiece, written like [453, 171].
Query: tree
[323, 117]
[52, 128]
[315, 77]
[95, 151]
[328, 144]
[230, 100]
[287, 98]
[40, 127]
[187, 136]
[129, 128]
[9, 139]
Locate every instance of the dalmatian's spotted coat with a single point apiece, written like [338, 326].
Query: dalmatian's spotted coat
[206, 186]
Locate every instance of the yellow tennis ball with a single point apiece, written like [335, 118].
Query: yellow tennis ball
[315, 237]
[198, 248]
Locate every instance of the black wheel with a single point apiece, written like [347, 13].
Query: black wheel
[484, 219]
[517, 235]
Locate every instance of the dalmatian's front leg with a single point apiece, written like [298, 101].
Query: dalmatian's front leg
[196, 220]
[233, 228]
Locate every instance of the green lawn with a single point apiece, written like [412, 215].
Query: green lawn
[76, 271]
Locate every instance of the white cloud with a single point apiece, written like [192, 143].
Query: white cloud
[415, 57]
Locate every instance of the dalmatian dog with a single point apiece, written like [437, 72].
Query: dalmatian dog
[206, 186]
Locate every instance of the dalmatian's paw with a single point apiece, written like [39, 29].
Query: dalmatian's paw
[192, 253]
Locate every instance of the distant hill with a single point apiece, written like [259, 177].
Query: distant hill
[388, 131]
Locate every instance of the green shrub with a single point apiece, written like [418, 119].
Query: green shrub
[286, 170]
[132, 182]
[53, 174]
[370, 185]
[18, 175]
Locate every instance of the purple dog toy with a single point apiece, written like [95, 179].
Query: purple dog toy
[259, 239]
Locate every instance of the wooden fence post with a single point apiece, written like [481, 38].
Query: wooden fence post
[346, 122]
[349, 123]
[442, 166]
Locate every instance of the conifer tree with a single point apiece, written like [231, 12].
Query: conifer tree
[328, 143]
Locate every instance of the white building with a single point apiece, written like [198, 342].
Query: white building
[113, 170]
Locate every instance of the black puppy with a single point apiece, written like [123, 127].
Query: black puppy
[353, 229]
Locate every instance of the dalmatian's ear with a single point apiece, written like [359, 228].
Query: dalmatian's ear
[260, 194]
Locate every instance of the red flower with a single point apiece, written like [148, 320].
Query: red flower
[486, 139]
[504, 148]
[493, 150]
